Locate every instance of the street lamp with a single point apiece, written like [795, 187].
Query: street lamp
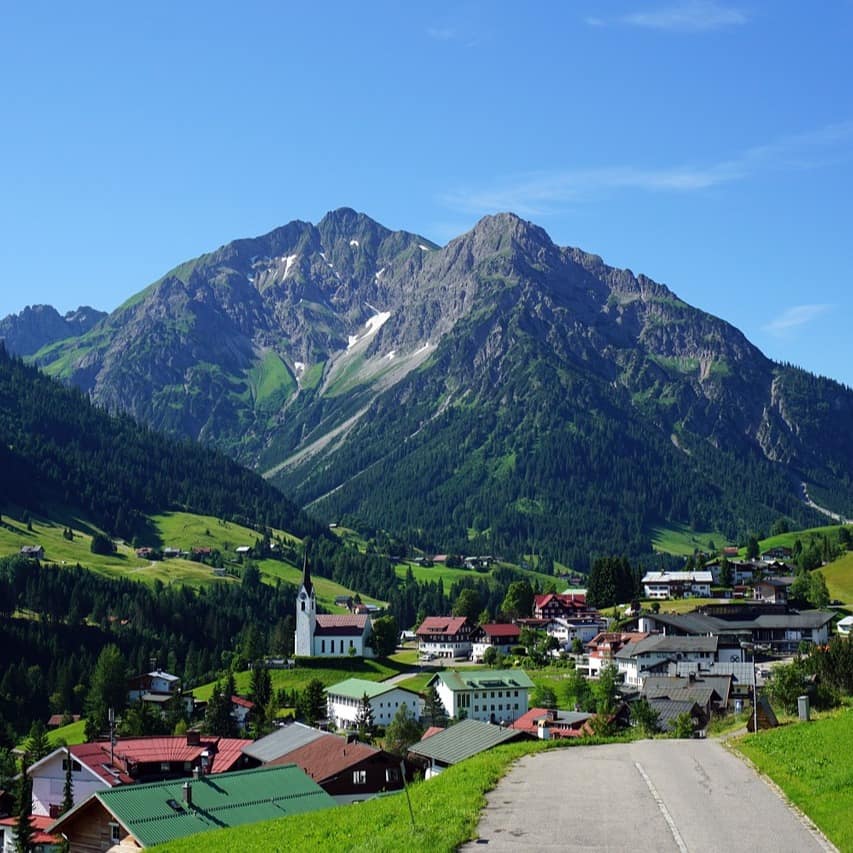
[750, 647]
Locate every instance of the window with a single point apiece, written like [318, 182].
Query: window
[392, 774]
[115, 832]
[323, 646]
[476, 708]
[359, 777]
[165, 767]
[75, 766]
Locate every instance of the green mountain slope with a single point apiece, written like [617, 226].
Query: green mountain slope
[501, 393]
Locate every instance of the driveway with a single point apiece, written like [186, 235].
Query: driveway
[652, 795]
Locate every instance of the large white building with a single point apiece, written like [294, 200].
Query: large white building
[493, 696]
[677, 584]
[321, 635]
[344, 699]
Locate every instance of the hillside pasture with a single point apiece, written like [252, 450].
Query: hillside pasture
[681, 540]
[329, 671]
[839, 579]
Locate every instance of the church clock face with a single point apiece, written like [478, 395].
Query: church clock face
[302, 596]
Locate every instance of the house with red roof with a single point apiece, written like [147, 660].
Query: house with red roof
[101, 765]
[554, 605]
[547, 723]
[445, 637]
[41, 840]
[499, 636]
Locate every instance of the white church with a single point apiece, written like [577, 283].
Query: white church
[328, 636]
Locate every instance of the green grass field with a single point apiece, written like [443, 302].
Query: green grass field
[181, 530]
[298, 678]
[681, 540]
[423, 574]
[839, 579]
[810, 762]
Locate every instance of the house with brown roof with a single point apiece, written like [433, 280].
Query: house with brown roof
[346, 769]
[101, 765]
[445, 637]
[499, 636]
[602, 648]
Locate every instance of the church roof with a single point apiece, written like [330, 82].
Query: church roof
[340, 626]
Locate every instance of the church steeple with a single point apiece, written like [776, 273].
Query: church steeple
[306, 576]
[306, 614]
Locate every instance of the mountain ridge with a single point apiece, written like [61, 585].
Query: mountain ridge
[320, 354]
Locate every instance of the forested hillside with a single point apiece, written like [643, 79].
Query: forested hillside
[57, 449]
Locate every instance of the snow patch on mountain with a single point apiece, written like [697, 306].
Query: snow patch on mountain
[372, 326]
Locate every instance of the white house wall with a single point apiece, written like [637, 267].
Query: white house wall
[48, 782]
[343, 710]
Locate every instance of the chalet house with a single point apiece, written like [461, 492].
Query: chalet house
[158, 688]
[347, 770]
[547, 723]
[499, 636]
[34, 552]
[494, 696]
[669, 710]
[241, 711]
[773, 590]
[452, 745]
[344, 699]
[41, 840]
[140, 816]
[780, 552]
[776, 626]
[602, 649]
[661, 585]
[320, 635]
[445, 637]
[99, 766]
[553, 605]
[711, 694]
[584, 627]
[640, 658]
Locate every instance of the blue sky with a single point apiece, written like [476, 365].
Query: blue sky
[706, 143]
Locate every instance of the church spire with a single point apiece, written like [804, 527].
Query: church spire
[306, 576]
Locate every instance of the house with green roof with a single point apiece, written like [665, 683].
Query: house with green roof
[344, 699]
[493, 695]
[136, 816]
[456, 743]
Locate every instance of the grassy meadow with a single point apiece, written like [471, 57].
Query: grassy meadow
[681, 540]
[839, 579]
[181, 530]
[338, 669]
[810, 762]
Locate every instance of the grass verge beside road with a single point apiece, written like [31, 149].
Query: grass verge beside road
[811, 763]
[446, 814]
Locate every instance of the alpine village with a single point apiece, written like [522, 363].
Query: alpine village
[315, 538]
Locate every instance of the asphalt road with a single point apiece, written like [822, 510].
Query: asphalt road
[654, 795]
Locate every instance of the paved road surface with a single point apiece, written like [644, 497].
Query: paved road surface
[654, 795]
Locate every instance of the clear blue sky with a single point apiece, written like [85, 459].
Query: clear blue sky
[706, 143]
